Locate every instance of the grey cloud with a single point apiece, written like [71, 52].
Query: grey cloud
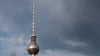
[14, 16]
[17, 14]
[59, 53]
[78, 20]
[87, 28]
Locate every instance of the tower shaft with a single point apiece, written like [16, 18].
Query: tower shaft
[33, 55]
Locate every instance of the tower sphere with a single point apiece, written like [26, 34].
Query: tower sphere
[33, 48]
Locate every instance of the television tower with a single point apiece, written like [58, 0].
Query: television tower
[33, 48]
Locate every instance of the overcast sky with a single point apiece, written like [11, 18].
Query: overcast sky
[62, 27]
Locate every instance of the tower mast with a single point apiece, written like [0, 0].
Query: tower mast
[33, 48]
[33, 28]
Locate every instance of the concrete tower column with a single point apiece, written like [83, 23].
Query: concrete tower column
[33, 55]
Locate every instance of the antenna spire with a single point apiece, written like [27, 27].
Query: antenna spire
[33, 28]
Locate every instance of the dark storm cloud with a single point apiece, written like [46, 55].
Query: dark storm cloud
[78, 21]
[15, 20]
[17, 12]
[87, 28]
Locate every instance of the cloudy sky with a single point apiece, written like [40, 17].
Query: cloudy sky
[62, 27]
